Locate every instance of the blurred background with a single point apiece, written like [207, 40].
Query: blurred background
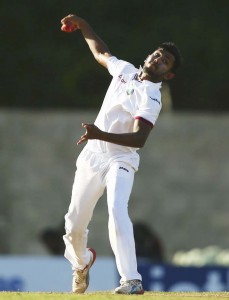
[50, 84]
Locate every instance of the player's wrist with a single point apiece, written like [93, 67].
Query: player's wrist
[103, 136]
[80, 22]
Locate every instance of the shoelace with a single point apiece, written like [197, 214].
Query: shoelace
[79, 276]
[132, 282]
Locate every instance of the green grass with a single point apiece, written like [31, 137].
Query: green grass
[109, 295]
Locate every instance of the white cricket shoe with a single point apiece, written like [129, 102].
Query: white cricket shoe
[80, 280]
[130, 287]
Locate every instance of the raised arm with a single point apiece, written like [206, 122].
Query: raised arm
[97, 46]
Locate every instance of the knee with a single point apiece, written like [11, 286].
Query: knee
[75, 233]
[74, 226]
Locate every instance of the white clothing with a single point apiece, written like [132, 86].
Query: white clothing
[105, 165]
[94, 173]
[126, 99]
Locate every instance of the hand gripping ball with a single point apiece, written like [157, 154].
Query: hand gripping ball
[68, 27]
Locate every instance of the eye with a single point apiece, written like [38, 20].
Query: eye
[157, 54]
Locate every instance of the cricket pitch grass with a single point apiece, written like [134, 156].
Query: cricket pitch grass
[109, 295]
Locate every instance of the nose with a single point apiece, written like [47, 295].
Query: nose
[157, 60]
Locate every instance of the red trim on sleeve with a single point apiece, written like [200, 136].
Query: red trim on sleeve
[145, 121]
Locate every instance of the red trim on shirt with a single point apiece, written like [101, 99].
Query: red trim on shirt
[145, 121]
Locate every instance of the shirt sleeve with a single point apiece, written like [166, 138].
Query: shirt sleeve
[149, 108]
[117, 66]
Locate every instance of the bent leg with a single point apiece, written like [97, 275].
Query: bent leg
[87, 189]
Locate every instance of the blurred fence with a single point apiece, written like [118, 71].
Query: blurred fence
[184, 168]
[53, 274]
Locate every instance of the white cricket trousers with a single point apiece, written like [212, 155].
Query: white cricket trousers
[94, 173]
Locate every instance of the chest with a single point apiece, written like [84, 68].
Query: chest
[126, 93]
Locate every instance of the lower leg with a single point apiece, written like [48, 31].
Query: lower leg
[87, 189]
[76, 248]
[119, 185]
[123, 246]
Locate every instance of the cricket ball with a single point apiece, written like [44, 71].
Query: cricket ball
[68, 27]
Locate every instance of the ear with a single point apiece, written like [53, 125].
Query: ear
[169, 76]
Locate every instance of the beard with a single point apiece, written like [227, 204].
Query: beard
[153, 74]
[149, 72]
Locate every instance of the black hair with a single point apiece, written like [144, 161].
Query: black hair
[173, 49]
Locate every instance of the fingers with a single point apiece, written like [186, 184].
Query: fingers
[89, 134]
[67, 18]
[82, 139]
[87, 126]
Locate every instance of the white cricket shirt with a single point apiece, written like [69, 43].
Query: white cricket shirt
[126, 99]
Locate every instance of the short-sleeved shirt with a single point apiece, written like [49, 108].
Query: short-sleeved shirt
[127, 99]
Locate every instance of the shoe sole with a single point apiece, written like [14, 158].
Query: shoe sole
[136, 293]
[140, 292]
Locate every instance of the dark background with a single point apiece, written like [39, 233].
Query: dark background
[43, 67]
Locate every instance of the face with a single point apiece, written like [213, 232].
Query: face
[158, 65]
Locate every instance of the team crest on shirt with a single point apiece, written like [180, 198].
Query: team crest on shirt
[130, 92]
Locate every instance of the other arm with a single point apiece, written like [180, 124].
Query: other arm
[97, 46]
[135, 139]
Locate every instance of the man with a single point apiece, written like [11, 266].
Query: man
[109, 160]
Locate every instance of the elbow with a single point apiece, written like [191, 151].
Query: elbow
[141, 135]
[141, 146]
[101, 57]
[101, 61]
[141, 143]
[97, 57]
